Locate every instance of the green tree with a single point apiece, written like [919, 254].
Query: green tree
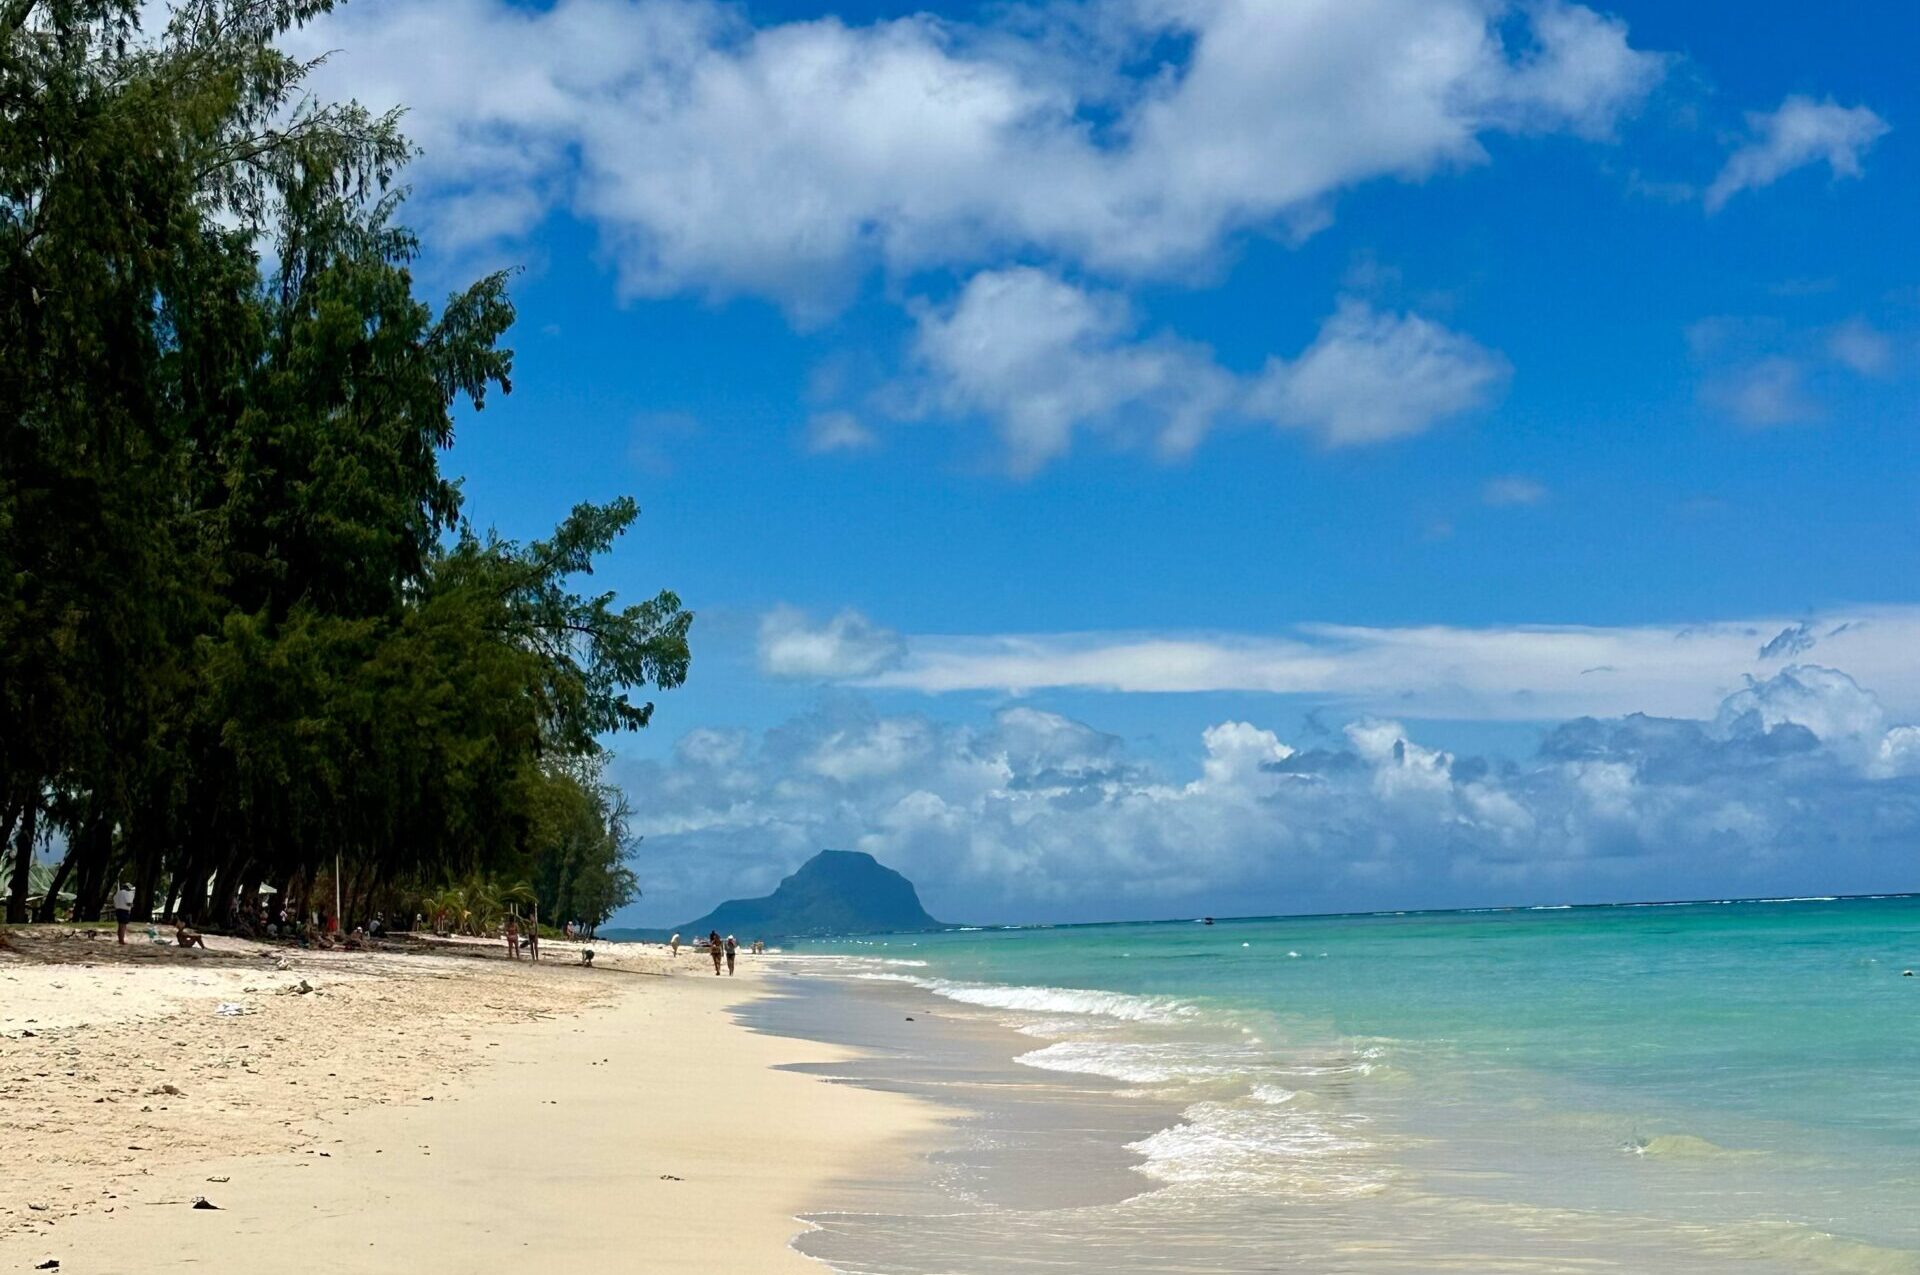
[246, 636]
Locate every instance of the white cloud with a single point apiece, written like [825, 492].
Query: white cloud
[1768, 392]
[1793, 784]
[1513, 489]
[787, 160]
[837, 431]
[1861, 348]
[1045, 360]
[1371, 376]
[846, 646]
[1528, 672]
[1825, 701]
[1763, 373]
[1801, 132]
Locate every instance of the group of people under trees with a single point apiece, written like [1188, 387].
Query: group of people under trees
[248, 635]
[317, 929]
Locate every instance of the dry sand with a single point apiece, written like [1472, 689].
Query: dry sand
[428, 1109]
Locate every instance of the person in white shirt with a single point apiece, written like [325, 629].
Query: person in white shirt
[123, 909]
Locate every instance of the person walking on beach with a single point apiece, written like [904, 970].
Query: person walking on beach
[674, 943]
[732, 947]
[715, 949]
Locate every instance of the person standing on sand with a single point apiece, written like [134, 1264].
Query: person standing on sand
[123, 909]
[715, 949]
[674, 943]
[513, 938]
[732, 947]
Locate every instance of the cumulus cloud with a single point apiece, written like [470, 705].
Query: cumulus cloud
[788, 159]
[1801, 132]
[1521, 672]
[1370, 376]
[1861, 348]
[837, 431]
[1513, 489]
[1794, 784]
[1045, 360]
[1763, 373]
[847, 646]
[1795, 639]
[1765, 393]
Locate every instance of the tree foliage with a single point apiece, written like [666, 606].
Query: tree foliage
[246, 632]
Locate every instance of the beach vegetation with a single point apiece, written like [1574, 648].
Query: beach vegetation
[249, 635]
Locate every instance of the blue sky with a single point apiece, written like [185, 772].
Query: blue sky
[1199, 455]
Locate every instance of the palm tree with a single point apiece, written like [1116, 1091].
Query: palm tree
[448, 909]
[483, 907]
[519, 896]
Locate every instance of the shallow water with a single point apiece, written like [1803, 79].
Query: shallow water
[1708, 1087]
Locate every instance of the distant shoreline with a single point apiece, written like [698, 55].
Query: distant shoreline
[644, 935]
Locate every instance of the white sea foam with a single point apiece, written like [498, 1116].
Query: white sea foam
[1145, 1062]
[1064, 1000]
[1272, 1095]
[1028, 999]
[1270, 1145]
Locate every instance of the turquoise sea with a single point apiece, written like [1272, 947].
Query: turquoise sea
[1725, 1086]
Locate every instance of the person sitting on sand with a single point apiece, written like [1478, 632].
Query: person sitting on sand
[715, 949]
[732, 947]
[186, 936]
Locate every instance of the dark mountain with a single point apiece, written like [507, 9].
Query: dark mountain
[835, 892]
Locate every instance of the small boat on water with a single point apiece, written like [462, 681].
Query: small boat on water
[1206, 920]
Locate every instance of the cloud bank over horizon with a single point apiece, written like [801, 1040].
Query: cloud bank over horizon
[1798, 783]
[1521, 672]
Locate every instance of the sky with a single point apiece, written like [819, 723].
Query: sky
[1140, 458]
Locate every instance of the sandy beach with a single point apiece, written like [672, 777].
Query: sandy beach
[445, 1107]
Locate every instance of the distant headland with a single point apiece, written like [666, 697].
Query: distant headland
[835, 892]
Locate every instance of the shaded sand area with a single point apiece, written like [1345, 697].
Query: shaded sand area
[440, 1106]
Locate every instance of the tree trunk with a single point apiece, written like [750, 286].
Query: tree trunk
[191, 890]
[92, 844]
[147, 876]
[226, 884]
[23, 864]
[52, 901]
[9, 814]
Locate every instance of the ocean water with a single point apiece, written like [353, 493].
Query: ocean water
[1689, 1087]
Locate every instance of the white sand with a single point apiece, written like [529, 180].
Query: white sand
[436, 1111]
